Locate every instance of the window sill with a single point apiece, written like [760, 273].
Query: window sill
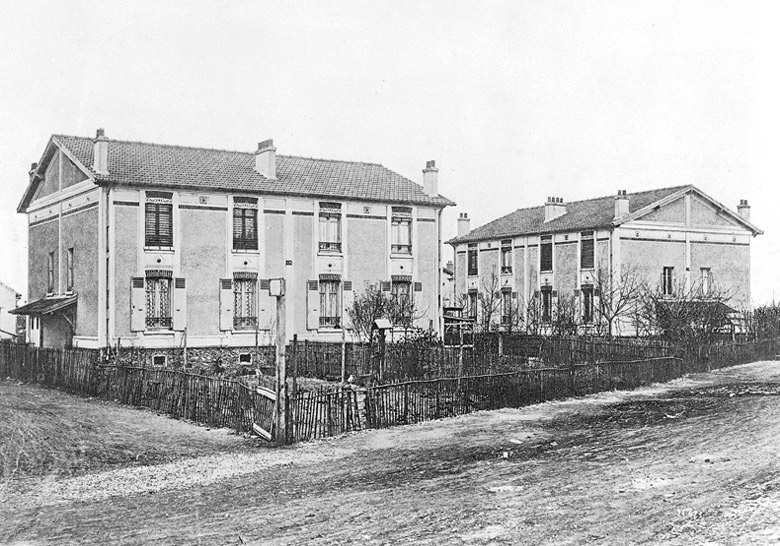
[246, 251]
[158, 332]
[336, 253]
[159, 249]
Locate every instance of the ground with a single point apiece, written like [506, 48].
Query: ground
[689, 462]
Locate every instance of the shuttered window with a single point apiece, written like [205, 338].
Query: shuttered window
[587, 304]
[586, 250]
[159, 223]
[546, 254]
[158, 303]
[244, 228]
[330, 303]
[244, 303]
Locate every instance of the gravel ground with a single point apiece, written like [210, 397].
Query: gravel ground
[689, 462]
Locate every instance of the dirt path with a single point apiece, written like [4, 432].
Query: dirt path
[691, 462]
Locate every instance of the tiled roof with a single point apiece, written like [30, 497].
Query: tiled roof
[142, 164]
[580, 215]
[45, 306]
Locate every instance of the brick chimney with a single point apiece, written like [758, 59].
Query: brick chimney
[431, 179]
[744, 209]
[265, 159]
[621, 204]
[100, 159]
[554, 208]
[464, 224]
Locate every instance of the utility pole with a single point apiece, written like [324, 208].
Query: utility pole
[277, 290]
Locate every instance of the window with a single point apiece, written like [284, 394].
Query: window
[546, 253]
[706, 281]
[50, 274]
[158, 303]
[69, 255]
[401, 230]
[244, 303]
[506, 256]
[159, 361]
[401, 295]
[667, 281]
[330, 227]
[546, 304]
[159, 219]
[586, 250]
[330, 303]
[506, 306]
[471, 300]
[473, 258]
[587, 304]
[244, 223]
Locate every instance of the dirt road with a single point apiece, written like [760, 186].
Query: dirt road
[691, 462]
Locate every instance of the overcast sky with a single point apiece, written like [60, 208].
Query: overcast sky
[514, 100]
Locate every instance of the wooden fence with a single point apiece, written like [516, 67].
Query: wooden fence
[324, 413]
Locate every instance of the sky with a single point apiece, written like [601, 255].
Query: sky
[516, 100]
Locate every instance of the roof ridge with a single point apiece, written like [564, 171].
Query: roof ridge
[207, 149]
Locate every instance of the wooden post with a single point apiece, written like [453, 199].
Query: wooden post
[281, 366]
[343, 356]
[184, 364]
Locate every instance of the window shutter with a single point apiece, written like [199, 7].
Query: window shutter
[313, 305]
[418, 286]
[348, 298]
[554, 293]
[179, 303]
[385, 286]
[576, 293]
[137, 305]
[225, 304]
[596, 292]
[265, 284]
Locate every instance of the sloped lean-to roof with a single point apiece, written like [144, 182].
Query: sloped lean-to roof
[156, 165]
[583, 215]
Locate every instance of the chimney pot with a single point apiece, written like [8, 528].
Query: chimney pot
[553, 208]
[431, 179]
[744, 209]
[265, 159]
[464, 224]
[100, 156]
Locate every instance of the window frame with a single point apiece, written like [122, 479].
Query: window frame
[158, 205]
[587, 250]
[545, 254]
[705, 280]
[396, 294]
[244, 299]
[667, 281]
[546, 294]
[400, 216]
[506, 307]
[69, 269]
[50, 273]
[244, 211]
[472, 304]
[155, 318]
[587, 294]
[330, 213]
[472, 260]
[506, 250]
[330, 299]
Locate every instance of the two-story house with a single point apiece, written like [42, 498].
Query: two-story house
[8, 301]
[673, 238]
[149, 245]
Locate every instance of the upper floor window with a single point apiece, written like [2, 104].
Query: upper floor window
[159, 219]
[667, 281]
[401, 230]
[506, 256]
[244, 303]
[546, 253]
[69, 256]
[50, 274]
[158, 303]
[330, 227]
[473, 259]
[586, 250]
[706, 280]
[244, 223]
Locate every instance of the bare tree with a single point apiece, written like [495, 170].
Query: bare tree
[489, 302]
[616, 297]
[564, 316]
[370, 305]
[534, 322]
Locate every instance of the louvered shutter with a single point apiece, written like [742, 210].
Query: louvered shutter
[266, 305]
[225, 304]
[137, 305]
[385, 286]
[313, 305]
[418, 286]
[179, 303]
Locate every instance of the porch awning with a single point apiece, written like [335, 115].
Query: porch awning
[53, 305]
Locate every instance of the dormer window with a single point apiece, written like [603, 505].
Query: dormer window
[159, 219]
[330, 227]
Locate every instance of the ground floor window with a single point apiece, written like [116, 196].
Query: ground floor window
[546, 305]
[158, 303]
[244, 304]
[330, 304]
[587, 304]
